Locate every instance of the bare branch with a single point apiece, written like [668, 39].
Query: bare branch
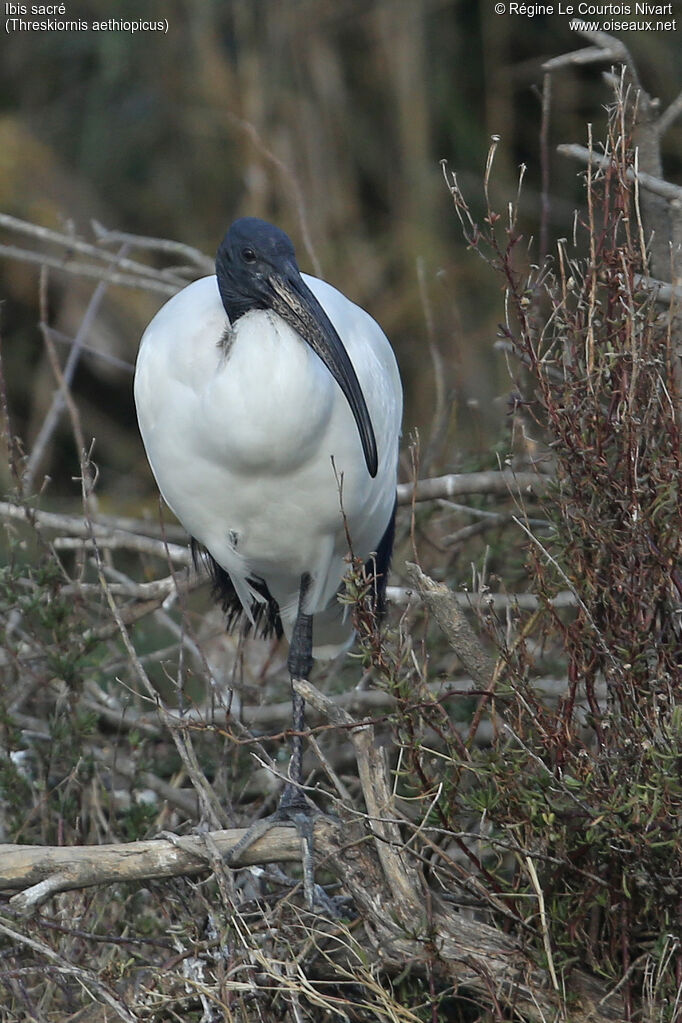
[669, 115]
[86, 977]
[38, 872]
[664, 293]
[71, 243]
[462, 638]
[119, 539]
[653, 184]
[138, 241]
[109, 535]
[373, 771]
[97, 273]
[460, 484]
[610, 49]
[468, 951]
[59, 397]
[401, 595]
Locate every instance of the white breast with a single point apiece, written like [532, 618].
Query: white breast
[244, 438]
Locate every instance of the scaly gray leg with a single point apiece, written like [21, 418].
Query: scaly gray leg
[293, 806]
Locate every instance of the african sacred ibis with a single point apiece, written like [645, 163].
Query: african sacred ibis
[257, 391]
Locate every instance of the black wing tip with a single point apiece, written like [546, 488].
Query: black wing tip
[265, 613]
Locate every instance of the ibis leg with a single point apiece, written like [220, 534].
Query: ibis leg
[299, 663]
[294, 807]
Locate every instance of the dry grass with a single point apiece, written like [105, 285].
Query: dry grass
[505, 853]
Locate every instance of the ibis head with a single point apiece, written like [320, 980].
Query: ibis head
[256, 268]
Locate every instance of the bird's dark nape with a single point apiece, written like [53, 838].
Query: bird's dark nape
[265, 614]
[378, 565]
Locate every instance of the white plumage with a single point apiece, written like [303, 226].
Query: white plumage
[248, 435]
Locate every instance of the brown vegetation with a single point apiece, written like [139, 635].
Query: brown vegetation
[510, 791]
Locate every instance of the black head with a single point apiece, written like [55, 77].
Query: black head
[256, 268]
[250, 254]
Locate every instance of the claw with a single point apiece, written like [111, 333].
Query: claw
[294, 809]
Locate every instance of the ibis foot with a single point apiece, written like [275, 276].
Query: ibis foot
[294, 808]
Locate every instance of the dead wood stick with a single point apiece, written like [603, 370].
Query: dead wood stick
[373, 770]
[89, 980]
[659, 186]
[461, 483]
[72, 243]
[38, 872]
[460, 951]
[471, 600]
[469, 952]
[442, 603]
[79, 526]
[98, 273]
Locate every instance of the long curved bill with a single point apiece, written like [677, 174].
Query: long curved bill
[293, 300]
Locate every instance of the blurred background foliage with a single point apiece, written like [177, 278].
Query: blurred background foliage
[329, 117]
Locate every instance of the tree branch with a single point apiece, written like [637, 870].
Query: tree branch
[39, 872]
[406, 923]
[648, 181]
[502, 484]
[440, 600]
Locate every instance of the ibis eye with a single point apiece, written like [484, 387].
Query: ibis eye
[248, 255]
